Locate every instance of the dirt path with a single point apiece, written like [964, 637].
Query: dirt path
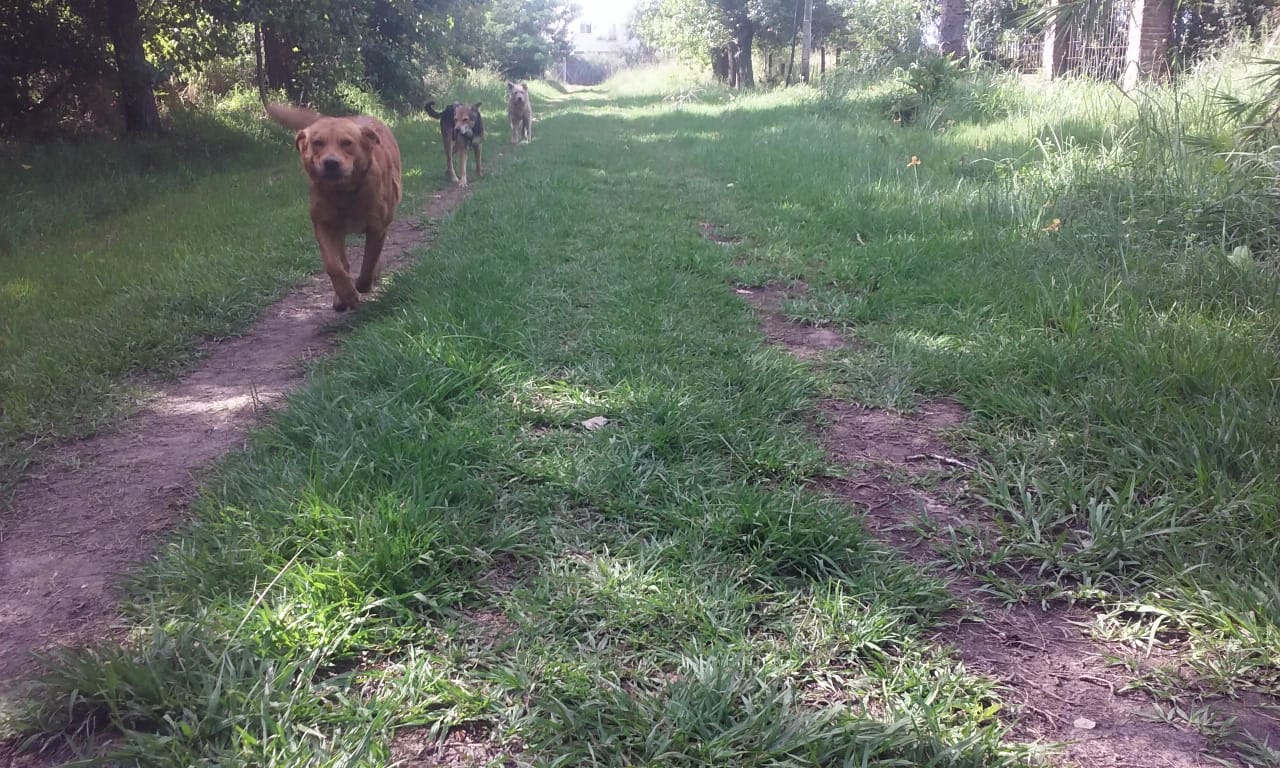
[90, 510]
[1061, 688]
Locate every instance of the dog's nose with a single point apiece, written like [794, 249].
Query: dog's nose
[332, 165]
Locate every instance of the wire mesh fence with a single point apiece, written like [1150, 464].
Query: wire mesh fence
[1092, 46]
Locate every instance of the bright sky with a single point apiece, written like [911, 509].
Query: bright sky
[605, 11]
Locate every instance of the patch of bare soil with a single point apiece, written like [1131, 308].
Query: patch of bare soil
[806, 342]
[90, 510]
[716, 233]
[467, 746]
[1061, 688]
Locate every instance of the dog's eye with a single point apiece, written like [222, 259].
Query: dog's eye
[346, 143]
[318, 144]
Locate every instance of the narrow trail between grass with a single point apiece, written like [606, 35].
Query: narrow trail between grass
[1063, 689]
[90, 510]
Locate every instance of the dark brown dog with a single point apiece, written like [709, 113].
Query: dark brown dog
[353, 170]
[519, 112]
[462, 128]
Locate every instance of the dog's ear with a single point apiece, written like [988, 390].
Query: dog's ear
[300, 139]
[477, 106]
[510, 86]
[370, 135]
[524, 86]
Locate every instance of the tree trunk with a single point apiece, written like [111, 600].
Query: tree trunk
[822, 60]
[744, 38]
[795, 31]
[806, 29]
[1150, 24]
[1057, 37]
[720, 64]
[278, 55]
[951, 22]
[259, 71]
[137, 92]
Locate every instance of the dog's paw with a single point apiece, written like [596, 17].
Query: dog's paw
[339, 305]
[364, 286]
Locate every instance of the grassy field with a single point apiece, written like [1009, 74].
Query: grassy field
[428, 538]
[120, 256]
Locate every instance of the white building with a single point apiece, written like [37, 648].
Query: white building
[601, 30]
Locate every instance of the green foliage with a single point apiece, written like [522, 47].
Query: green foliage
[525, 37]
[46, 45]
[689, 29]
[876, 32]
[919, 86]
[991, 21]
[207, 48]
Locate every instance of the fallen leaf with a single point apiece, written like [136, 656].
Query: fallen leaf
[594, 423]
[25, 167]
[1084, 723]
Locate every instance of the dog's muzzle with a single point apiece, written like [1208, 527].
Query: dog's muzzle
[331, 169]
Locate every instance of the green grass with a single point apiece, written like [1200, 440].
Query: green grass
[120, 256]
[1120, 365]
[428, 537]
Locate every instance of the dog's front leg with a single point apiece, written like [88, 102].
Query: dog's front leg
[479, 168]
[462, 182]
[448, 158]
[373, 240]
[334, 253]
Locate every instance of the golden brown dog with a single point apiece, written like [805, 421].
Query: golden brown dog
[519, 112]
[462, 128]
[353, 170]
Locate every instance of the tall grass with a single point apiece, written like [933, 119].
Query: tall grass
[1106, 303]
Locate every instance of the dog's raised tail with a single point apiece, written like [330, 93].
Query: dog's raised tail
[296, 118]
[431, 110]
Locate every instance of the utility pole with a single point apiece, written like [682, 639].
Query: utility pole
[807, 30]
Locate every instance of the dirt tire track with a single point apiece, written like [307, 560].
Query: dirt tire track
[1047, 668]
[89, 511]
